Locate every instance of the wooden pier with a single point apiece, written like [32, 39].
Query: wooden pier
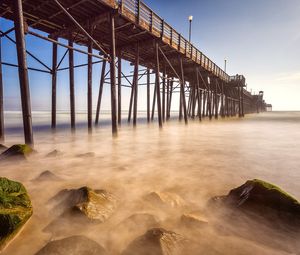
[122, 30]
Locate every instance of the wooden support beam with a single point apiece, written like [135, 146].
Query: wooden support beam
[222, 101]
[182, 93]
[204, 103]
[80, 27]
[131, 96]
[216, 107]
[170, 99]
[199, 94]
[137, 62]
[100, 92]
[113, 75]
[1, 98]
[89, 84]
[153, 103]
[148, 95]
[72, 85]
[226, 102]
[242, 100]
[119, 88]
[209, 103]
[164, 95]
[54, 79]
[157, 84]
[63, 45]
[23, 72]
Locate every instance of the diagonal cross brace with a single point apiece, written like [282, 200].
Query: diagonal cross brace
[80, 27]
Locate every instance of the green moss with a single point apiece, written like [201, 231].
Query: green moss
[22, 148]
[272, 187]
[15, 209]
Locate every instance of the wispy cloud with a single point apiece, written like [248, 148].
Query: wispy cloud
[288, 77]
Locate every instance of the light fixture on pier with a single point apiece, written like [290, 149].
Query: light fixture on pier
[190, 30]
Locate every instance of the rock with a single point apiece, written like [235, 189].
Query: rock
[157, 241]
[15, 209]
[165, 199]
[192, 220]
[265, 200]
[75, 245]
[262, 212]
[47, 176]
[54, 153]
[86, 155]
[96, 205]
[17, 151]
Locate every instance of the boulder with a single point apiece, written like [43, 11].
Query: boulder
[263, 199]
[75, 245]
[94, 205]
[47, 176]
[157, 241]
[17, 151]
[15, 209]
[165, 199]
[262, 212]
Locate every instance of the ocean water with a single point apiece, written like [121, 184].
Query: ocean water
[195, 161]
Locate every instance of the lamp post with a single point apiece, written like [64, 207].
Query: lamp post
[225, 65]
[190, 30]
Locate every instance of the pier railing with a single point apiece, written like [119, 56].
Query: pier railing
[141, 14]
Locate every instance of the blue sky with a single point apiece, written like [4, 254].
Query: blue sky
[259, 38]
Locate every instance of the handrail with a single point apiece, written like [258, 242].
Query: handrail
[144, 16]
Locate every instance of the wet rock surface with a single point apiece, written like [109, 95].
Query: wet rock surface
[74, 245]
[261, 212]
[15, 209]
[157, 241]
[17, 152]
[96, 205]
[81, 206]
[265, 200]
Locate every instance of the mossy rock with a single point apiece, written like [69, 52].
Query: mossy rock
[75, 245]
[265, 200]
[17, 151]
[157, 241]
[15, 209]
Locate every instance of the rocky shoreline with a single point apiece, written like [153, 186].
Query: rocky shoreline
[256, 211]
